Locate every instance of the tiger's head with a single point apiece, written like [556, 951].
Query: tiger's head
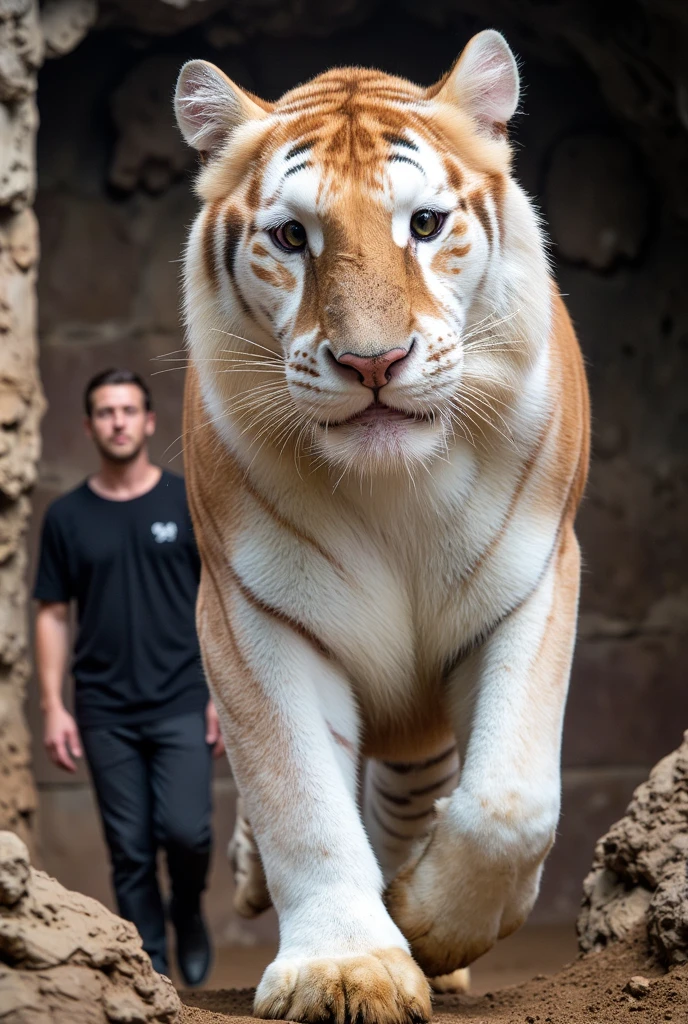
[365, 281]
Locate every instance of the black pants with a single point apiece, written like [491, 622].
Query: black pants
[153, 784]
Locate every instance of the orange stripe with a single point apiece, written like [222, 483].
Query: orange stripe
[208, 242]
[249, 596]
[342, 741]
[498, 188]
[477, 201]
[234, 230]
[270, 509]
[275, 613]
[528, 467]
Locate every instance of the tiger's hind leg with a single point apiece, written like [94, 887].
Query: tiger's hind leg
[251, 895]
[399, 809]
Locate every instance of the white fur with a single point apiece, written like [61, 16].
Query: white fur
[406, 526]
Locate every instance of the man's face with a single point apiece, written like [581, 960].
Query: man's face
[119, 424]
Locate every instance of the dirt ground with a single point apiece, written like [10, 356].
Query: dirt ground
[65, 958]
[591, 989]
[633, 923]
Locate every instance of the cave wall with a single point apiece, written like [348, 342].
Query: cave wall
[21, 400]
[601, 153]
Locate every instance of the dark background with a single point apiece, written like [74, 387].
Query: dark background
[601, 144]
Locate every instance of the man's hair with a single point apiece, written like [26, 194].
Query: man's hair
[115, 377]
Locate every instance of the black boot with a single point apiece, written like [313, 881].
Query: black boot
[194, 949]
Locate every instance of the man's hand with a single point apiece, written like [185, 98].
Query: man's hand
[213, 736]
[61, 738]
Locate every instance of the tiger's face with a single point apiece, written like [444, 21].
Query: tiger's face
[351, 240]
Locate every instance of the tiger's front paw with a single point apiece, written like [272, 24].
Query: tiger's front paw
[384, 987]
[453, 901]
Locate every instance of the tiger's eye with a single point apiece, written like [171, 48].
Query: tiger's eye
[426, 223]
[290, 236]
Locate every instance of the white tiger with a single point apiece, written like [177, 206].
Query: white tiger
[386, 426]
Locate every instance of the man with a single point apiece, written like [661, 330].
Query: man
[121, 545]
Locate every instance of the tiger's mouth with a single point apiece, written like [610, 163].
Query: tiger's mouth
[379, 413]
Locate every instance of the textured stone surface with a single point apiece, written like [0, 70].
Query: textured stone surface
[598, 199]
[637, 986]
[14, 869]
[64, 23]
[150, 150]
[238, 21]
[21, 400]
[162, 17]
[64, 958]
[590, 799]
[21, 50]
[639, 873]
[636, 53]
[21, 53]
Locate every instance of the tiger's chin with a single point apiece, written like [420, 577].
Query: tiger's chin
[388, 444]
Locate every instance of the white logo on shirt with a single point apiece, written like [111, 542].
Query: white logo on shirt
[164, 531]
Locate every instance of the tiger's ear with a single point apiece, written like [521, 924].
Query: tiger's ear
[208, 106]
[484, 82]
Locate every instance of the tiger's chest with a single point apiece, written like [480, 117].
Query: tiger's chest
[395, 603]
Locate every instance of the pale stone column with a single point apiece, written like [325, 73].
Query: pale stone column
[21, 396]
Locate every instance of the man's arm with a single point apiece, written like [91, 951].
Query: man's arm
[60, 737]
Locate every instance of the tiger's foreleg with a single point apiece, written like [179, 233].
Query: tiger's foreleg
[477, 877]
[399, 809]
[399, 802]
[291, 728]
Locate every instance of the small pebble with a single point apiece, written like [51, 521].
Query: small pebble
[637, 986]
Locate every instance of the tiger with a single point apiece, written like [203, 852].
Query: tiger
[386, 440]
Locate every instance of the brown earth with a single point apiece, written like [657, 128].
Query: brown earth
[65, 959]
[632, 927]
[591, 990]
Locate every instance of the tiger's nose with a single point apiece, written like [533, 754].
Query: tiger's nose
[374, 371]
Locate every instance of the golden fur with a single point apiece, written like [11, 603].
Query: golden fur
[389, 564]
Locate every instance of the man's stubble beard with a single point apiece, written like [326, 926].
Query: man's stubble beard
[114, 458]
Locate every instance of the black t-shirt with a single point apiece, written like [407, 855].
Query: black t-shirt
[133, 568]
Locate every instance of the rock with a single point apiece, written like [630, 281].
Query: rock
[18, 123]
[669, 614]
[160, 17]
[610, 440]
[12, 407]
[668, 918]
[21, 237]
[637, 986]
[639, 874]
[149, 149]
[166, 17]
[17, 792]
[21, 49]
[65, 959]
[597, 201]
[65, 23]
[21, 402]
[14, 869]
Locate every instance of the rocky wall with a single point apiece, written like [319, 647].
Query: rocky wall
[21, 399]
[601, 145]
